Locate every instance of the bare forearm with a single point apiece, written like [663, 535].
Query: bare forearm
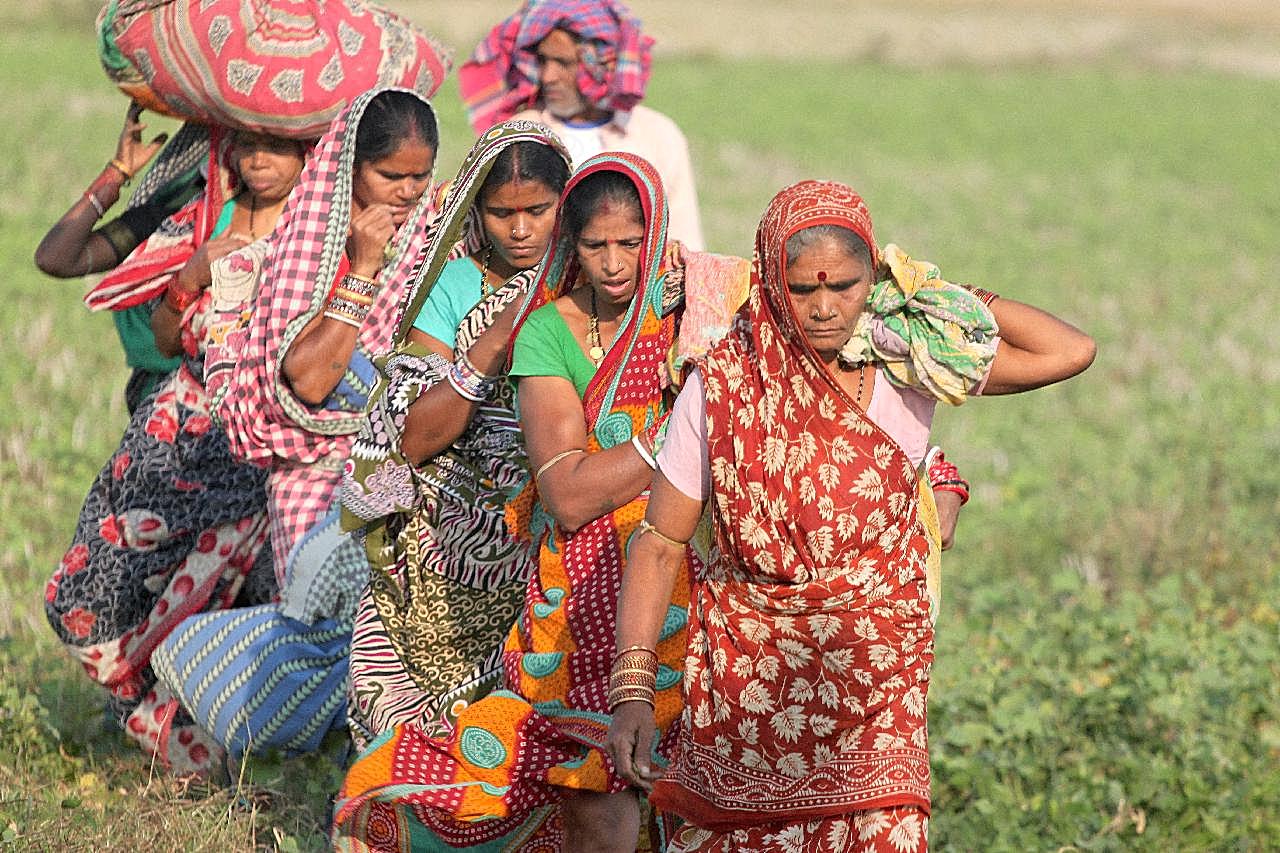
[1036, 349]
[647, 582]
[318, 359]
[434, 422]
[166, 325]
[582, 487]
[71, 248]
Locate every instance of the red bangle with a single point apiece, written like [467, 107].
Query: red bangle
[179, 299]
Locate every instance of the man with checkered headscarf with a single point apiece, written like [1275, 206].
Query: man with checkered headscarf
[581, 67]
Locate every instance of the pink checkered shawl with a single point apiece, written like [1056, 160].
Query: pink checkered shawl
[265, 422]
[501, 77]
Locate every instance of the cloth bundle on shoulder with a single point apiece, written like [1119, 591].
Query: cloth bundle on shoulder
[284, 67]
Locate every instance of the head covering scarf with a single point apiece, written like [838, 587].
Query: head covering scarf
[447, 578]
[156, 261]
[513, 751]
[261, 413]
[809, 635]
[501, 77]
[264, 420]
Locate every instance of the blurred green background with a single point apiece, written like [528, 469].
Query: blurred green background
[1109, 651]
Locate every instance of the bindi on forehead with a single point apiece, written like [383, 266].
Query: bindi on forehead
[822, 276]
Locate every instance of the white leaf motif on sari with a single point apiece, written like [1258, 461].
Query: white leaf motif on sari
[821, 544]
[837, 660]
[913, 701]
[802, 391]
[795, 654]
[768, 668]
[793, 765]
[755, 698]
[821, 725]
[755, 631]
[775, 454]
[748, 731]
[801, 690]
[824, 626]
[869, 486]
[828, 475]
[827, 408]
[789, 723]
[906, 835]
[882, 657]
[883, 454]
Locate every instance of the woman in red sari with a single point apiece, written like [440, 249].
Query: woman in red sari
[810, 642]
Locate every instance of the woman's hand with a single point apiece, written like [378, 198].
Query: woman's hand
[131, 150]
[371, 230]
[195, 275]
[629, 743]
[948, 503]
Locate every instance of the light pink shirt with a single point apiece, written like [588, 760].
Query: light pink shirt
[904, 414]
[657, 139]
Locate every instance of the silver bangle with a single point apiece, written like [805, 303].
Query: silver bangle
[644, 454]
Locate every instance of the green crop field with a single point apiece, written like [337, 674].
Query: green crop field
[1108, 656]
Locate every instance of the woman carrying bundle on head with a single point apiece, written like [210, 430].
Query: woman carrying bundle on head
[810, 639]
[292, 379]
[432, 468]
[526, 763]
[174, 525]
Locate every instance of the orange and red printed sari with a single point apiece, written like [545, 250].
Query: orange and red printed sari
[496, 783]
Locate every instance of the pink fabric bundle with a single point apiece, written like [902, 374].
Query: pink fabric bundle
[283, 67]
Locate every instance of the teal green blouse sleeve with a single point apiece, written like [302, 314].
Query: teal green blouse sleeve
[456, 292]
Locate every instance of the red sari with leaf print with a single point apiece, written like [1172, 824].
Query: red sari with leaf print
[809, 636]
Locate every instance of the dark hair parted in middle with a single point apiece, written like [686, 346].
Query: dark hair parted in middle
[389, 120]
[527, 161]
[595, 192]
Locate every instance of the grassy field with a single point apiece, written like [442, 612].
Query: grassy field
[1109, 650]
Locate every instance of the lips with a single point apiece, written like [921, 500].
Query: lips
[616, 288]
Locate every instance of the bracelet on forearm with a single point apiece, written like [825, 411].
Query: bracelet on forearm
[346, 311]
[638, 444]
[179, 298]
[352, 296]
[984, 296]
[118, 164]
[469, 382]
[96, 204]
[633, 677]
[360, 284]
[944, 476]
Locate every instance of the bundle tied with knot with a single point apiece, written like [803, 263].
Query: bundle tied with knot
[928, 333]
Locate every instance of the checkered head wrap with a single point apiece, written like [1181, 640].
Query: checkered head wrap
[262, 416]
[501, 77]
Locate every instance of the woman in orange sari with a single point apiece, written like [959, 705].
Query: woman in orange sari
[810, 639]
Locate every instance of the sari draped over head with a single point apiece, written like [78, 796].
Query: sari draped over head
[265, 421]
[274, 676]
[146, 273]
[810, 641]
[447, 578]
[501, 77]
[502, 769]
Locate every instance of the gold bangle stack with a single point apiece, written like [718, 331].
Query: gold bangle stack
[634, 677]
